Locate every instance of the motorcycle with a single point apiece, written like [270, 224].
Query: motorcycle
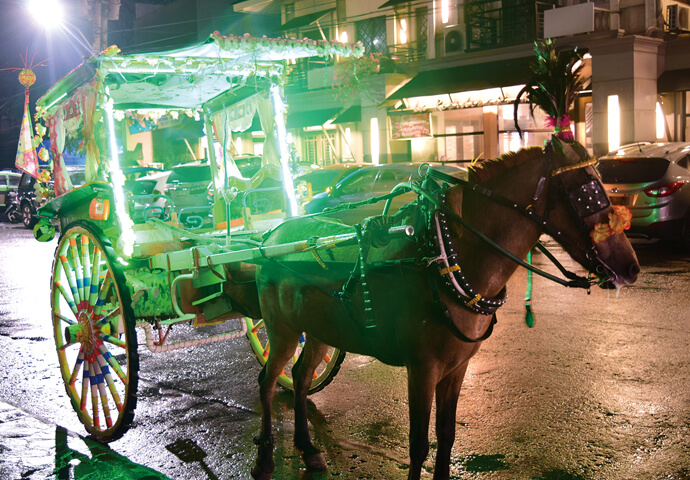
[13, 212]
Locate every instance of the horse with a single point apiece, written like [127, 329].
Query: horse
[428, 304]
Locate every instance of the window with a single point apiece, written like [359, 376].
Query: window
[310, 150]
[359, 182]
[460, 134]
[388, 179]
[422, 25]
[289, 11]
[372, 33]
[534, 133]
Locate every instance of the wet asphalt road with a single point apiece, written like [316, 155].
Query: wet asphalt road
[598, 389]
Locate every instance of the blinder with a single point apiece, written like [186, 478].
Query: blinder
[589, 198]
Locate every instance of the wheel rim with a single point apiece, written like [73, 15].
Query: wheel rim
[94, 333]
[327, 369]
[27, 215]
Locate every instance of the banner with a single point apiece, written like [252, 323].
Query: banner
[406, 125]
[27, 160]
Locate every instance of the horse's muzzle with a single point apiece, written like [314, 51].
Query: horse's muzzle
[612, 280]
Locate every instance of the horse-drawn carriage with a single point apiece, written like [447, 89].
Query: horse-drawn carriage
[114, 271]
[419, 288]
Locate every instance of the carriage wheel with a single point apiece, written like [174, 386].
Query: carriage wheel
[94, 332]
[324, 372]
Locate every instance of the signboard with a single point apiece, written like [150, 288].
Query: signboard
[569, 20]
[406, 125]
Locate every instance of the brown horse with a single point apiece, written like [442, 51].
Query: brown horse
[406, 309]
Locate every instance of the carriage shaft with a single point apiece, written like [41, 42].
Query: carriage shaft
[188, 259]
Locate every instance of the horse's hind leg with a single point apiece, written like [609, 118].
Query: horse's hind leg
[302, 374]
[283, 345]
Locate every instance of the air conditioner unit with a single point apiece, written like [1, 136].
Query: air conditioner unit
[677, 17]
[455, 38]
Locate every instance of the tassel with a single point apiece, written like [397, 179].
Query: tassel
[529, 316]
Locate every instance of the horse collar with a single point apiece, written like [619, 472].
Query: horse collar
[451, 273]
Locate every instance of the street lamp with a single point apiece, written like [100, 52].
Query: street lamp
[49, 15]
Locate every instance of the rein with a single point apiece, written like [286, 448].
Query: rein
[574, 280]
[451, 271]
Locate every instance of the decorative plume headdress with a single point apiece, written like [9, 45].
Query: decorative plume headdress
[555, 81]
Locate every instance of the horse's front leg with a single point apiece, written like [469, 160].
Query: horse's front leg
[447, 392]
[302, 374]
[421, 381]
[282, 348]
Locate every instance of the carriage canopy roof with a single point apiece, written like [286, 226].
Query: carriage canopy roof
[223, 69]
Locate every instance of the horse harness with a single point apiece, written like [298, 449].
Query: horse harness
[437, 249]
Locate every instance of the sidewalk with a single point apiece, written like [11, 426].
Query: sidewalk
[27, 445]
[34, 449]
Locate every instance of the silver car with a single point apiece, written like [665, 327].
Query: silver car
[372, 181]
[650, 179]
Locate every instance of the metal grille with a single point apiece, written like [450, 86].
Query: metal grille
[492, 23]
[372, 33]
[310, 150]
[422, 22]
[289, 11]
[328, 156]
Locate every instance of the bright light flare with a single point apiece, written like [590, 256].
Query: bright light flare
[48, 13]
[445, 11]
[279, 112]
[614, 122]
[660, 122]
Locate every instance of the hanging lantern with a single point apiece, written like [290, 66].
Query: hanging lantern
[27, 77]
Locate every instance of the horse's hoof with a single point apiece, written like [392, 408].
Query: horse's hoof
[314, 461]
[259, 473]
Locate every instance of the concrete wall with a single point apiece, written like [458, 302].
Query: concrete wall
[626, 67]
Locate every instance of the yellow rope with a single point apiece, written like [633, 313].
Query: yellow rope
[569, 168]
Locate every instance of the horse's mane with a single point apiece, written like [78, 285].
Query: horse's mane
[484, 171]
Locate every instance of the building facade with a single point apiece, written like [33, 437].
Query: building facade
[449, 72]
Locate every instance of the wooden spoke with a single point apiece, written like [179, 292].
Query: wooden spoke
[256, 334]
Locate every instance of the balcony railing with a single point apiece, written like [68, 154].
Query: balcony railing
[408, 52]
[298, 80]
[496, 23]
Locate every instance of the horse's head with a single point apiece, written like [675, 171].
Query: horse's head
[583, 213]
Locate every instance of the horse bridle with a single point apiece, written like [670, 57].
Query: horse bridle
[584, 199]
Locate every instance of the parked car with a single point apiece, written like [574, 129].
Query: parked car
[323, 179]
[368, 182]
[248, 165]
[9, 181]
[135, 173]
[651, 180]
[26, 193]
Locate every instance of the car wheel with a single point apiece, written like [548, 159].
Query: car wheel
[15, 216]
[28, 214]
